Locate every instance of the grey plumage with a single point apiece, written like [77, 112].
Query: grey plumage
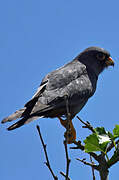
[77, 80]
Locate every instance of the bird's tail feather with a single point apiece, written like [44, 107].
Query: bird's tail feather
[25, 117]
[14, 116]
[22, 122]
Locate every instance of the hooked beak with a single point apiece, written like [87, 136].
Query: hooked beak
[109, 62]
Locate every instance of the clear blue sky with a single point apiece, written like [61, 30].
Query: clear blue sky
[37, 37]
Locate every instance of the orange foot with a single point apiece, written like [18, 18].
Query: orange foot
[71, 134]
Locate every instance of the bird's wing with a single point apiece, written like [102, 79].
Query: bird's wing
[69, 80]
[54, 82]
[58, 80]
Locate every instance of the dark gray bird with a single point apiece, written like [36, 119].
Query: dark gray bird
[77, 80]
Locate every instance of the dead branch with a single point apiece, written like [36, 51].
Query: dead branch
[112, 145]
[93, 173]
[67, 160]
[78, 145]
[66, 138]
[62, 173]
[46, 155]
[86, 125]
[87, 163]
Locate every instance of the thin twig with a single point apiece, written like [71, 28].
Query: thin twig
[95, 156]
[66, 138]
[62, 173]
[93, 173]
[87, 163]
[114, 159]
[112, 145]
[78, 145]
[67, 159]
[46, 155]
[87, 125]
[113, 162]
[81, 147]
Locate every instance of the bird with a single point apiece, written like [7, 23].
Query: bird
[76, 80]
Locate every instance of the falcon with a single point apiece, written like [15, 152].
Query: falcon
[76, 80]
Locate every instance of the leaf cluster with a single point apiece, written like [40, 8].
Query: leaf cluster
[101, 139]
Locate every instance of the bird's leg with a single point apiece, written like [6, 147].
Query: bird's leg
[71, 134]
[68, 119]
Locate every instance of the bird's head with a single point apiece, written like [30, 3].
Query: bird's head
[96, 59]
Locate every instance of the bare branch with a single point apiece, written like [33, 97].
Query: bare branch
[87, 163]
[112, 145]
[62, 173]
[81, 147]
[93, 173]
[66, 138]
[87, 125]
[113, 162]
[46, 155]
[67, 159]
[78, 145]
[95, 156]
[114, 159]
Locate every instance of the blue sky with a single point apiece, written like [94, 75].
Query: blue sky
[37, 37]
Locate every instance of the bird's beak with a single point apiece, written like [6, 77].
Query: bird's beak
[109, 62]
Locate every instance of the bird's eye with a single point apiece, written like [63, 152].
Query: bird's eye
[100, 56]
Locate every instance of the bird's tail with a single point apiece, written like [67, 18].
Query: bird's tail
[14, 116]
[26, 116]
[22, 122]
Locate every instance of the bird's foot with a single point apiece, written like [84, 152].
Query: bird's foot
[70, 134]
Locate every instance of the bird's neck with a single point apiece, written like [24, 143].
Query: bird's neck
[92, 76]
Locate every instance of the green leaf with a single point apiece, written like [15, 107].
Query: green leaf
[100, 130]
[103, 146]
[116, 131]
[110, 135]
[103, 137]
[97, 141]
[92, 143]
